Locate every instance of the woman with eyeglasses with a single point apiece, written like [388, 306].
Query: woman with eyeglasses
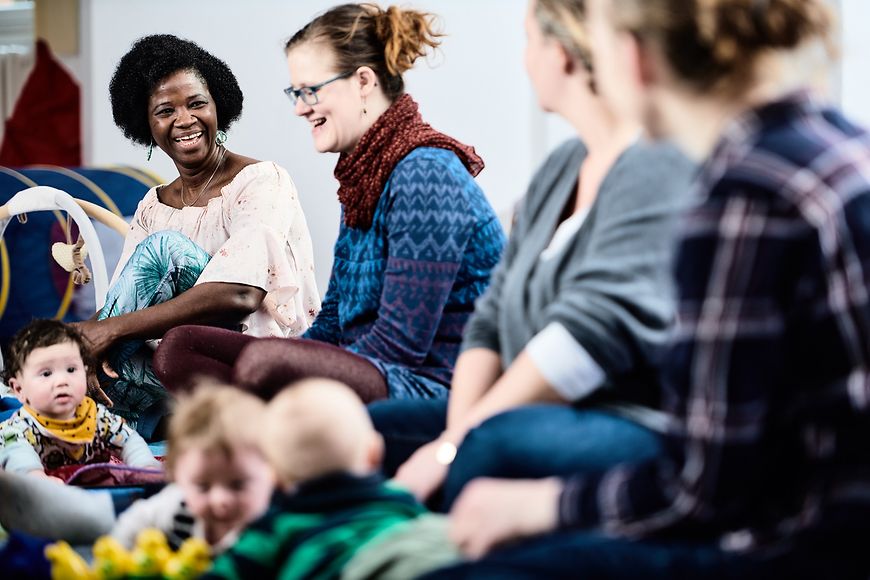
[224, 243]
[417, 240]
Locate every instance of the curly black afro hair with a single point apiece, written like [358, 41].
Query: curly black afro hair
[153, 58]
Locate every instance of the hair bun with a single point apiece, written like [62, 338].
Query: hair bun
[737, 30]
[406, 35]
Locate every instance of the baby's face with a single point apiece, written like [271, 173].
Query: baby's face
[225, 491]
[53, 380]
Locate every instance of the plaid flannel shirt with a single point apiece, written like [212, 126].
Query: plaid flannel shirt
[766, 379]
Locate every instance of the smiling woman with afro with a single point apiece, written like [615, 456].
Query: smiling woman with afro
[154, 58]
[225, 243]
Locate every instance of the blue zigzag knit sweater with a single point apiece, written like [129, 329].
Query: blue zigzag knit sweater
[401, 291]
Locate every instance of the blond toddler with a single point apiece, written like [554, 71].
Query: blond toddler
[221, 480]
[318, 437]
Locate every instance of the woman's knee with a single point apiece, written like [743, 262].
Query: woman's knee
[490, 450]
[262, 362]
[502, 437]
[167, 354]
[547, 440]
[160, 244]
[166, 248]
[261, 354]
[189, 352]
[269, 365]
[538, 438]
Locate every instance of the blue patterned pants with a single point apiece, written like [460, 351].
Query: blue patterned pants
[164, 265]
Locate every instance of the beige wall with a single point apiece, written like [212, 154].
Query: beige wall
[57, 21]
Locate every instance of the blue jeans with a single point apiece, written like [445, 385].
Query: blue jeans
[406, 425]
[591, 555]
[529, 442]
[546, 440]
[404, 383]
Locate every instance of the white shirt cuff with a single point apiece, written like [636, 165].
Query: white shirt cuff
[567, 366]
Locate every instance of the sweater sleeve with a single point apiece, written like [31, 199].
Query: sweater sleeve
[428, 224]
[618, 302]
[20, 457]
[136, 452]
[482, 330]
[115, 430]
[325, 327]
[16, 452]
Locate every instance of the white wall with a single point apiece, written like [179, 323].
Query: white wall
[854, 71]
[475, 89]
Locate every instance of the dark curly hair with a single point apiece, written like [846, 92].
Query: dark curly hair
[153, 58]
[41, 333]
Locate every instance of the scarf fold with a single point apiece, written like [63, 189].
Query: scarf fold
[79, 429]
[363, 173]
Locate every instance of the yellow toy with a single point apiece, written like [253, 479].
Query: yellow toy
[66, 564]
[111, 560]
[150, 554]
[190, 562]
[150, 559]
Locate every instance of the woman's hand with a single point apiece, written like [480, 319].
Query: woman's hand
[490, 512]
[99, 334]
[422, 474]
[98, 337]
[95, 390]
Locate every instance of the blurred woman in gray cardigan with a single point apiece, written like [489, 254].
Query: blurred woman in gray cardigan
[576, 310]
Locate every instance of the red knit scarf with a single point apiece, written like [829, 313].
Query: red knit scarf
[363, 173]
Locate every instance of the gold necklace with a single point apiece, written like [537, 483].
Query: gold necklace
[205, 187]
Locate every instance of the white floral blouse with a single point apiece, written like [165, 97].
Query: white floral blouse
[256, 233]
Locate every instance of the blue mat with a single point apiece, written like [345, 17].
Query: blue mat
[8, 406]
[21, 556]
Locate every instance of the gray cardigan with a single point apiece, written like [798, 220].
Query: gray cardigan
[610, 287]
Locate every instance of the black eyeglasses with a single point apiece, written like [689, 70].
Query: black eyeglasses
[309, 94]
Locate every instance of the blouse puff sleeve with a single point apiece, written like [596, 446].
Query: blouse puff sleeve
[139, 230]
[261, 216]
